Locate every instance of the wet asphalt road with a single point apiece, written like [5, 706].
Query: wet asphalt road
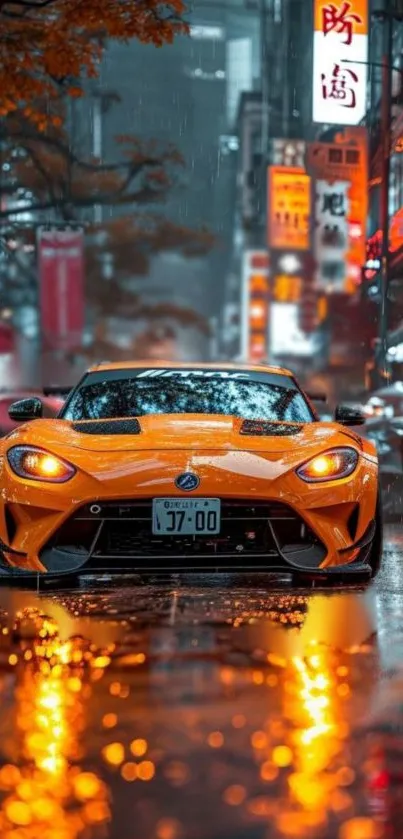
[219, 709]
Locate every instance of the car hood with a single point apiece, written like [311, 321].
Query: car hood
[181, 432]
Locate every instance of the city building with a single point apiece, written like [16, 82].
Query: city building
[186, 94]
[278, 106]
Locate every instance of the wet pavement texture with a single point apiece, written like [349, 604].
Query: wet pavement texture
[219, 708]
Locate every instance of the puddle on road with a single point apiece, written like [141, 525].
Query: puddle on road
[344, 622]
[237, 727]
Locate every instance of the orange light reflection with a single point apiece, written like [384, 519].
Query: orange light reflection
[45, 793]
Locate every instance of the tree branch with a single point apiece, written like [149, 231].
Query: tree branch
[25, 138]
[144, 195]
[41, 169]
[26, 4]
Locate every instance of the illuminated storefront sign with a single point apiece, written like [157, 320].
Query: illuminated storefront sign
[373, 258]
[396, 231]
[288, 152]
[286, 337]
[340, 45]
[340, 171]
[287, 289]
[374, 243]
[287, 276]
[255, 306]
[289, 207]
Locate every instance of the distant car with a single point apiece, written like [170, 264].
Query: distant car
[387, 435]
[51, 407]
[180, 467]
[385, 402]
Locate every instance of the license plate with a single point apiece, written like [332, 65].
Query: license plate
[186, 516]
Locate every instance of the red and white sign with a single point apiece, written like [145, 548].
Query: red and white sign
[340, 53]
[61, 287]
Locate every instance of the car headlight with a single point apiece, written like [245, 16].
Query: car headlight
[329, 466]
[39, 465]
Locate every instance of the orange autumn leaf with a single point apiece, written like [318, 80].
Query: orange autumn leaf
[75, 92]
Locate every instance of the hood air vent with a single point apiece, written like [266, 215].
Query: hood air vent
[124, 426]
[254, 428]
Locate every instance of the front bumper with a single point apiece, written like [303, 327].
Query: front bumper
[117, 537]
[296, 526]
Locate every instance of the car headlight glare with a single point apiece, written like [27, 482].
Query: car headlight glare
[329, 466]
[39, 465]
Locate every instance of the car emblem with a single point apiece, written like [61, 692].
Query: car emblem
[187, 481]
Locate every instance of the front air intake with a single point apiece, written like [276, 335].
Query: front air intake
[255, 428]
[120, 426]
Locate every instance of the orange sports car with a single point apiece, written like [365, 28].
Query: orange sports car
[183, 467]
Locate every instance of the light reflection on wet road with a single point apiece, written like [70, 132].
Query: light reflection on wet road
[232, 710]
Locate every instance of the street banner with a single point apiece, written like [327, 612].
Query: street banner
[340, 56]
[61, 287]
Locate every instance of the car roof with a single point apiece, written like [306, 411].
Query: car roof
[184, 365]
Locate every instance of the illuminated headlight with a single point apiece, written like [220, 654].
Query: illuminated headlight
[329, 466]
[39, 465]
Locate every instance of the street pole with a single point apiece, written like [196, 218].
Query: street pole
[381, 367]
[265, 83]
[381, 364]
[97, 144]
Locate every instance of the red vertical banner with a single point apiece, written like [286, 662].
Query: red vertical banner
[61, 287]
[7, 338]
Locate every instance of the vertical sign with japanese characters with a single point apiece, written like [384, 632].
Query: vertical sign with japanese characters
[340, 53]
[255, 306]
[331, 239]
[340, 172]
[289, 208]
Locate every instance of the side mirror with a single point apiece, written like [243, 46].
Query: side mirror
[349, 416]
[26, 409]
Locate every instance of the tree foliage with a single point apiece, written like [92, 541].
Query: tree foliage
[131, 242]
[49, 44]
[48, 175]
[48, 50]
[53, 183]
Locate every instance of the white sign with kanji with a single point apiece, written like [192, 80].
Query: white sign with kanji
[340, 55]
[331, 237]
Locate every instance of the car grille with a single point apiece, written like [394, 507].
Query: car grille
[259, 532]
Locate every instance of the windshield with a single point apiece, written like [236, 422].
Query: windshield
[134, 397]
